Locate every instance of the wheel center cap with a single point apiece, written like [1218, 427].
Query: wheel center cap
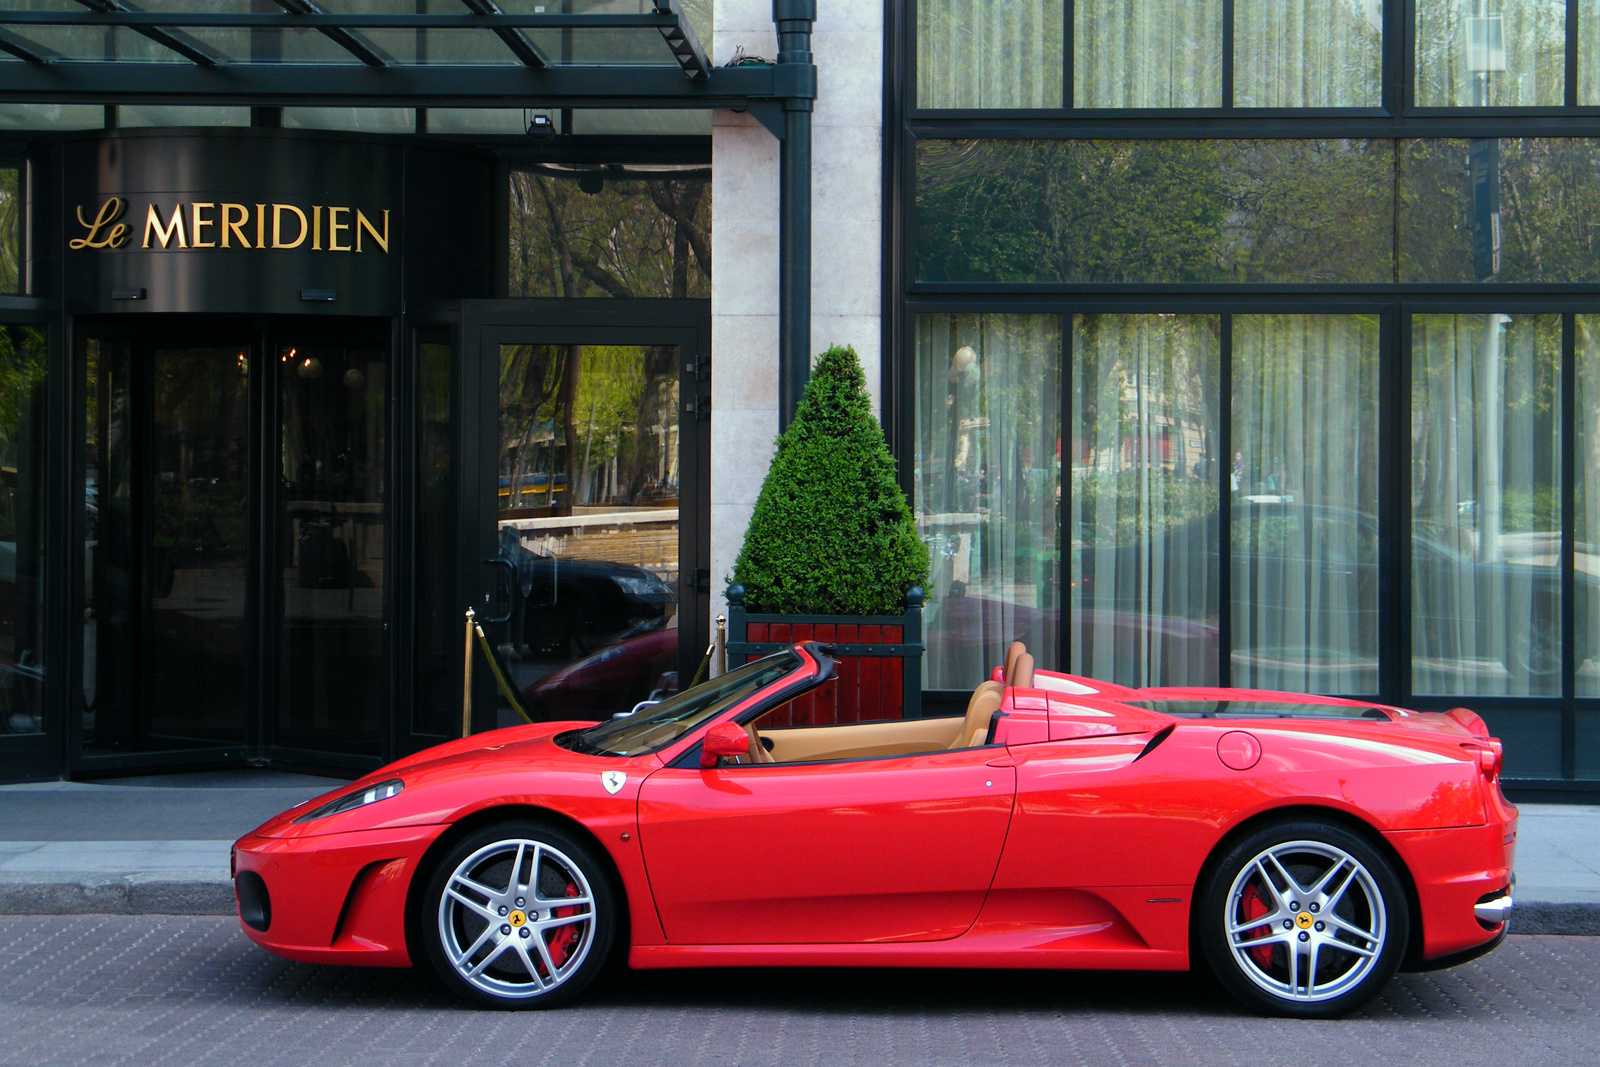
[517, 918]
[1303, 920]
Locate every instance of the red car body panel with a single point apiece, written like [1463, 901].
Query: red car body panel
[1077, 839]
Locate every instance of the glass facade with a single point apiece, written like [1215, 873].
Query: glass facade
[22, 555]
[1491, 53]
[1147, 53]
[972, 54]
[1307, 53]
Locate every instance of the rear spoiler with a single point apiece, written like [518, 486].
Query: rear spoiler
[1470, 721]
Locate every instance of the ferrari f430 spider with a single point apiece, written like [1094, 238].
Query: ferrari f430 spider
[1302, 848]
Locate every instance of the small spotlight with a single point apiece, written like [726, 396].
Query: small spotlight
[541, 128]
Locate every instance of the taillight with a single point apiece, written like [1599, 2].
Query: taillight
[1491, 756]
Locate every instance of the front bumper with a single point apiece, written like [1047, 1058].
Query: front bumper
[334, 898]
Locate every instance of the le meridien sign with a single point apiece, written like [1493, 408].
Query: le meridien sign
[202, 224]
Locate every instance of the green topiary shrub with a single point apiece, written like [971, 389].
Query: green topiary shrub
[832, 533]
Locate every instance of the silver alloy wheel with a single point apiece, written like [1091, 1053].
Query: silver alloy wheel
[1323, 926]
[517, 918]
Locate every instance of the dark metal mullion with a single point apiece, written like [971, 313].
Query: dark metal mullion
[1064, 585]
[514, 39]
[1398, 63]
[1569, 526]
[1571, 95]
[25, 49]
[1224, 474]
[347, 39]
[178, 41]
[1069, 66]
[1227, 57]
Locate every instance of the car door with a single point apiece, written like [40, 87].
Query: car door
[885, 849]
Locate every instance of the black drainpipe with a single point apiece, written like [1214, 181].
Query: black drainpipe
[796, 85]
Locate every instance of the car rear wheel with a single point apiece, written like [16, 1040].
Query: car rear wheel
[520, 915]
[1303, 919]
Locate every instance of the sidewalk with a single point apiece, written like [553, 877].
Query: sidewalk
[159, 845]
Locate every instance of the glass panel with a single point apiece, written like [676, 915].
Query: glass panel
[168, 531]
[12, 216]
[1155, 211]
[988, 490]
[1532, 738]
[367, 119]
[1586, 502]
[437, 705]
[1144, 498]
[131, 115]
[1589, 54]
[512, 121]
[1546, 193]
[978, 55]
[597, 231]
[22, 445]
[1147, 53]
[52, 116]
[1308, 53]
[611, 122]
[332, 529]
[1305, 515]
[1486, 504]
[1491, 53]
[588, 516]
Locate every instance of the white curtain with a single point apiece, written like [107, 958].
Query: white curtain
[1485, 505]
[988, 477]
[1144, 495]
[1305, 507]
[1535, 37]
[982, 54]
[1308, 53]
[1147, 53]
[1589, 54]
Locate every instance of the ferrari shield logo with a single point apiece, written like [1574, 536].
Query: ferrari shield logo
[612, 780]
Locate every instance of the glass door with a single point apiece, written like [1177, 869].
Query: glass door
[583, 481]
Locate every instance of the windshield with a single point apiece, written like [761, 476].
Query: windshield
[663, 723]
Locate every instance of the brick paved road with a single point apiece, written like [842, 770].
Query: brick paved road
[107, 990]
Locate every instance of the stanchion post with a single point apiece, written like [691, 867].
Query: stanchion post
[466, 678]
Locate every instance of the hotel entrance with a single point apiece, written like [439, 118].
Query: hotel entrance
[236, 527]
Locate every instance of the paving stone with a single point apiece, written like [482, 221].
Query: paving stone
[141, 990]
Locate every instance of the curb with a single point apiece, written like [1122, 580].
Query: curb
[130, 896]
[123, 896]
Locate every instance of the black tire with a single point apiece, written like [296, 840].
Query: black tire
[528, 956]
[1333, 950]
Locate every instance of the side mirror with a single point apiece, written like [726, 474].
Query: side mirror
[723, 739]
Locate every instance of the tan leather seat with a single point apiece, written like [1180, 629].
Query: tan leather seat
[980, 709]
[1016, 649]
[1022, 673]
[758, 751]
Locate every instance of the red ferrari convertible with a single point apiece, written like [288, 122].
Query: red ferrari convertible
[1304, 848]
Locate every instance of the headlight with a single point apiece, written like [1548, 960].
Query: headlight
[643, 587]
[351, 801]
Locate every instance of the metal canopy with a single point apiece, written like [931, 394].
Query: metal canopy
[592, 53]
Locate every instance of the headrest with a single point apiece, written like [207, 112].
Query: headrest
[1017, 648]
[1022, 675]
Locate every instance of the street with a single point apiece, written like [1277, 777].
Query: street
[168, 990]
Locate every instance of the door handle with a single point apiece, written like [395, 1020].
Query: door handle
[511, 588]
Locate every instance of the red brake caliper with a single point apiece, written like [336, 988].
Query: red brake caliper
[565, 938]
[1253, 907]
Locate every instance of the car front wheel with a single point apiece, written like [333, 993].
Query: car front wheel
[520, 915]
[1303, 919]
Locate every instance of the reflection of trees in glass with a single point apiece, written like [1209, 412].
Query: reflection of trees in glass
[1308, 53]
[1534, 32]
[611, 232]
[587, 424]
[1155, 211]
[22, 370]
[975, 54]
[1147, 53]
[10, 229]
[1549, 210]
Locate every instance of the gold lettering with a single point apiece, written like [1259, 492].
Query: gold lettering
[261, 225]
[277, 226]
[152, 224]
[316, 227]
[235, 226]
[200, 224]
[115, 236]
[364, 223]
[334, 226]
